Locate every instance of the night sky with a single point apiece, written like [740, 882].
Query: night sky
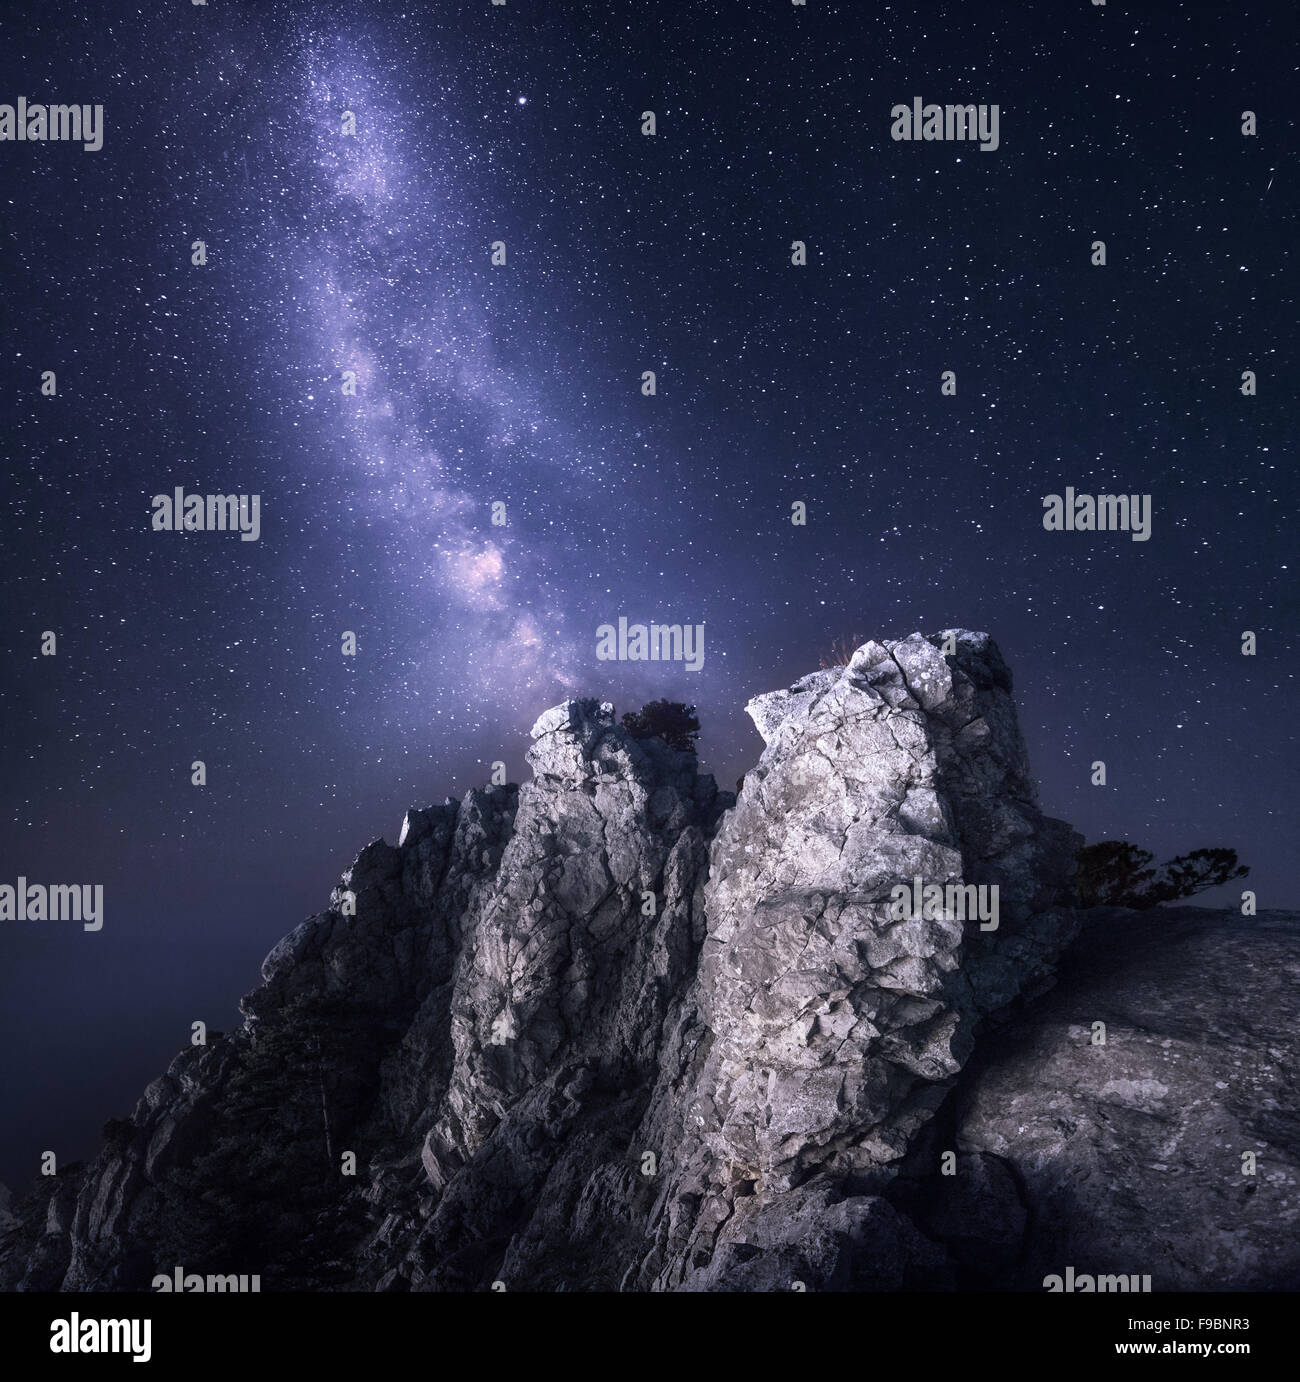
[521, 383]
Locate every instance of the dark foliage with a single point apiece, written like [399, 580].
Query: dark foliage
[672, 721]
[1115, 873]
[117, 1134]
[268, 1188]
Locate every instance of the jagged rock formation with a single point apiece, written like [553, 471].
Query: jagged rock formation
[615, 1029]
[826, 1033]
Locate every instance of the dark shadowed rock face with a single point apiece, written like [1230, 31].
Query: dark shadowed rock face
[615, 1029]
[1127, 1157]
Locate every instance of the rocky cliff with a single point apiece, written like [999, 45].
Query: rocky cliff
[616, 1029]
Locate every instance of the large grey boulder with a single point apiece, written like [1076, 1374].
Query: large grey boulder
[568, 966]
[828, 1030]
[1125, 1149]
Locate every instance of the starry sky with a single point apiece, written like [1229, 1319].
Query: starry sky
[521, 384]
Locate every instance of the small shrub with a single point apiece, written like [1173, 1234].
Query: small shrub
[117, 1133]
[842, 650]
[672, 721]
[1115, 873]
